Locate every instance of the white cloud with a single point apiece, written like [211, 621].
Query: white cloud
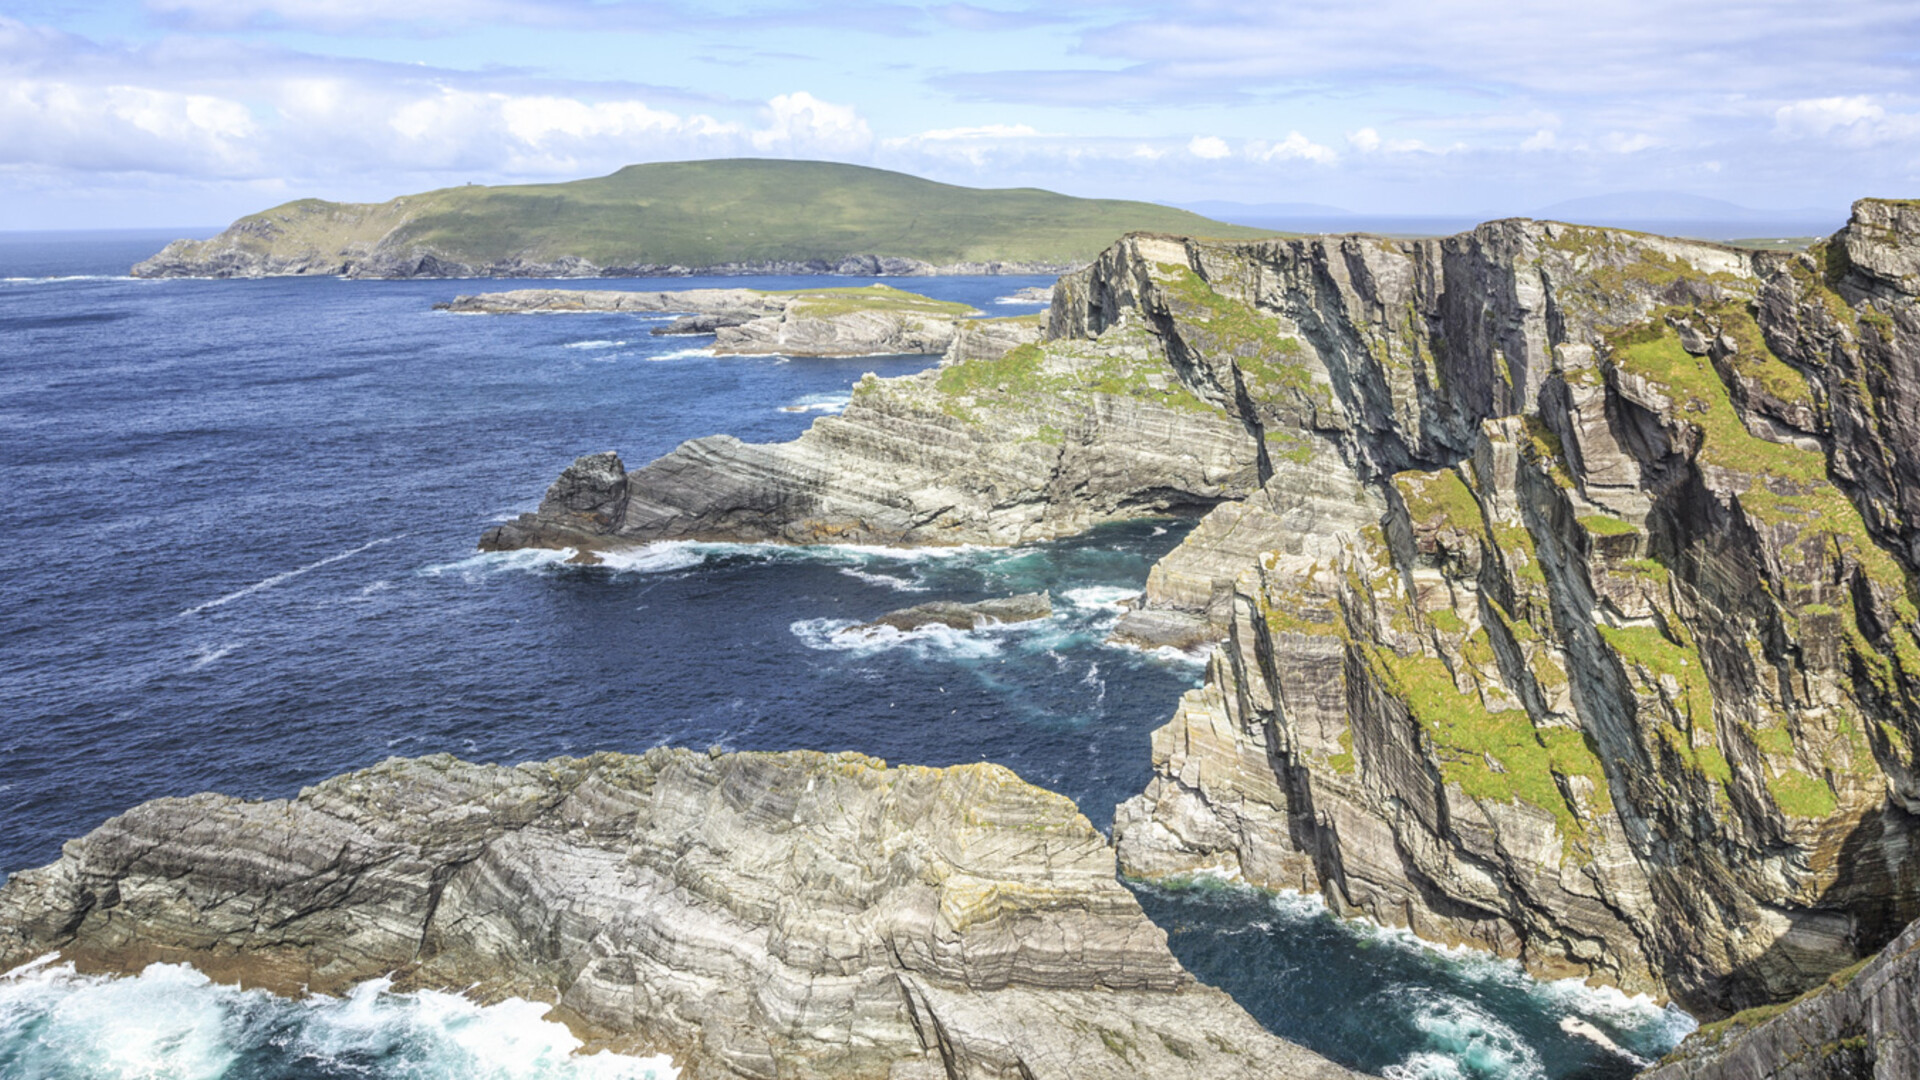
[983, 131]
[1366, 140]
[1620, 142]
[1856, 121]
[1295, 147]
[1540, 140]
[799, 123]
[1210, 147]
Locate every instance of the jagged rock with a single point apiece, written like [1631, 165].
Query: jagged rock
[753, 915]
[701, 324]
[1041, 442]
[1858, 1025]
[990, 339]
[1024, 607]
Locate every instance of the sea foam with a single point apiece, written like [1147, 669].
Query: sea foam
[172, 1023]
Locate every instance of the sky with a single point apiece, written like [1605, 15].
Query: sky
[194, 112]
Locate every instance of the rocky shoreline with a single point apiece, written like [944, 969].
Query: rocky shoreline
[873, 321]
[784, 915]
[227, 256]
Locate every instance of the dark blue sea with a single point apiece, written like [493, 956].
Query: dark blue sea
[240, 558]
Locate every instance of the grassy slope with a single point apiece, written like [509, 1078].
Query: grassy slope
[701, 213]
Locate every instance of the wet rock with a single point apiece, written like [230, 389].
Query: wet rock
[1024, 607]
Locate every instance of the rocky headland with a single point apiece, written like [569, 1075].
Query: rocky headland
[754, 915]
[871, 321]
[1563, 576]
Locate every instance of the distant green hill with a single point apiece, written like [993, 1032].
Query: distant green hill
[691, 214]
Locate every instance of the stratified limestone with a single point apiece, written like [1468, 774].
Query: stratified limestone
[753, 915]
[1858, 1025]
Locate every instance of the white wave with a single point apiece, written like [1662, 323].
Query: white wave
[1112, 598]
[890, 581]
[65, 277]
[659, 557]
[595, 343]
[839, 635]
[683, 354]
[205, 656]
[487, 563]
[289, 575]
[820, 403]
[172, 1022]
[1465, 1040]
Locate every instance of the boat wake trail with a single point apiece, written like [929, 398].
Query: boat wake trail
[277, 579]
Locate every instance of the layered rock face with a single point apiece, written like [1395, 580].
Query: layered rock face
[1859, 1025]
[1042, 441]
[754, 915]
[1609, 663]
[1564, 574]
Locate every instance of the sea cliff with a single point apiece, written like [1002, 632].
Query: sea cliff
[1562, 575]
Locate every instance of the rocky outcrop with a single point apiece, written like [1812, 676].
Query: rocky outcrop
[1024, 607]
[872, 321]
[1861, 1024]
[753, 915]
[1043, 441]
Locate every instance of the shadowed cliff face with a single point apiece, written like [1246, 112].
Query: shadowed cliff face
[1563, 573]
[753, 915]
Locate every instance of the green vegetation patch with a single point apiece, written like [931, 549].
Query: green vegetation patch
[1801, 795]
[826, 303]
[1064, 368]
[1606, 525]
[1439, 499]
[1499, 756]
[1269, 360]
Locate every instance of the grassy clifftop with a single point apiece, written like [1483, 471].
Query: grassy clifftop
[708, 213]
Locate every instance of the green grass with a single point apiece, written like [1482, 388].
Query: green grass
[1604, 525]
[1027, 371]
[705, 213]
[826, 303]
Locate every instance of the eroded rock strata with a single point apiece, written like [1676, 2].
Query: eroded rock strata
[1564, 575]
[754, 915]
[1022, 607]
[1860, 1024]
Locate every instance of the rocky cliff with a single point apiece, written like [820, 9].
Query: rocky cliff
[1564, 574]
[754, 915]
[1861, 1024]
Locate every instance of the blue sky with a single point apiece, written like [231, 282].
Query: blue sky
[177, 112]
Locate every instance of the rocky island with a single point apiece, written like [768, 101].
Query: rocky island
[870, 321]
[754, 915]
[1563, 576]
[673, 219]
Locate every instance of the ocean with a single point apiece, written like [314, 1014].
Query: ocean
[241, 559]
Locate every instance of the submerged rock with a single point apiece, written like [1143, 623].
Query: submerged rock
[753, 915]
[1025, 607]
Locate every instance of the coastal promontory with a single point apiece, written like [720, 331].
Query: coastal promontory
[790, 915]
